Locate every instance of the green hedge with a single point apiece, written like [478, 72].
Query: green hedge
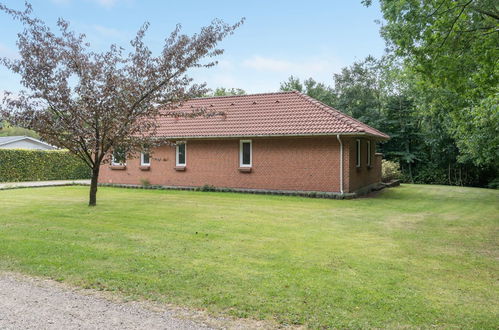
[39, 165]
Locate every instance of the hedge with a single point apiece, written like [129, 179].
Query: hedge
[40, 165]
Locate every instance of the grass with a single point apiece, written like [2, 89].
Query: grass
[414, 256]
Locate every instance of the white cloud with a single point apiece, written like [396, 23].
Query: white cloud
[258, 73]
[267, 64]
[308, 67]
[103, 3]
[61, 2]
[226, 65]
[106, 3]
[8, 52]
[109, 32]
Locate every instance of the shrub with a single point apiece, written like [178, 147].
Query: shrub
[494, 184]
[145, 182]
[208, 187]
[38, 165]
[390, 171]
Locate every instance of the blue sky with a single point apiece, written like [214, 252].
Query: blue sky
[279, 38]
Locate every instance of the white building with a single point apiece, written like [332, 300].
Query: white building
[23, 142]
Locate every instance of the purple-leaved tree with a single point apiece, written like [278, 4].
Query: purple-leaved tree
[93, 102]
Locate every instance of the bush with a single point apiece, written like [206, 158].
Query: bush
[207, 187]
[390, 171]
[494, 184]
[39, 165]
[145, 182]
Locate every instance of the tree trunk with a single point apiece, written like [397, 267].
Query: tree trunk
[410, 173]
[93, 187]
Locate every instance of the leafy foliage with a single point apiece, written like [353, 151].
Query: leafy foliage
[359, 90]
[385, 94]
[91, 103]
[390, 170]
[450, 48]
[222, 91]
[8, 130]
[317, 90]
[39, 165]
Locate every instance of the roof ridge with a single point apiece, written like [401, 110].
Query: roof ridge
[298, 114]
[243, 95]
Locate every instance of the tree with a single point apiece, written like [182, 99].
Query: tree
[377, 92]
[293, 84]
[222, 91]
[402, 123]
[360, 89]
[312, 88]
[451, 49]
[92, 103]
[8, 130]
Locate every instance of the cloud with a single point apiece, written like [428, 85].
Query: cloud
[106, 3]
[258, 73]
[103, 3]
[109, 32]
[309, 66]
[61, 2]
[265, 73]
[8, 52]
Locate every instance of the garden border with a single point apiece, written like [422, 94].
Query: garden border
[209, 188]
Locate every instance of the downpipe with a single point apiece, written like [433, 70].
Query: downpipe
[341, 163]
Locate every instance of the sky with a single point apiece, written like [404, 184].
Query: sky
[278, 39]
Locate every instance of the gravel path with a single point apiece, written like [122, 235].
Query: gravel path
[7, 185]
[27, 303]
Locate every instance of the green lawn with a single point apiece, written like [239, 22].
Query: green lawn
[416, 256]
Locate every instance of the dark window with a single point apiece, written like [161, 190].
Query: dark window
[357, 153]
[245, 153]
[119, 156]
[181, 154]
[145, 158]
[368, 153]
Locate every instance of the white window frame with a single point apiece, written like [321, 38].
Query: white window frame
[241, 142]
[113, 163]
[142, 163]
[358, 150]
[177, 155]
[368, 153]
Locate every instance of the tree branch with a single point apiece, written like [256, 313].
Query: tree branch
[455, 21]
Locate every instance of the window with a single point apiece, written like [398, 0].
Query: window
[181, 153]
[368, 153]
[357, 153]
[245, 153]
[145, 159]
[119, 157]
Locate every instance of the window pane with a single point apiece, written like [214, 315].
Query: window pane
[145, 158]
[246, 153]
[357, 153]
[368, 152]
[119, 156]
[181, 153]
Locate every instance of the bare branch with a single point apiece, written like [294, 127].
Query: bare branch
[91, 102]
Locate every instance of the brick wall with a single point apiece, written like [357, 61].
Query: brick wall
[363, 175]
[279, 163]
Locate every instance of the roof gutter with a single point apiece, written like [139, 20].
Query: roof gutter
[341, 162]
[274, 135]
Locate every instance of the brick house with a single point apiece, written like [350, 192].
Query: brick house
[272, 141]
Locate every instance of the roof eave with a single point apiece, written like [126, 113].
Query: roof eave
[30, 139]
[352, 134]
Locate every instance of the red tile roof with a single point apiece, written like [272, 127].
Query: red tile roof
[270, 114]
